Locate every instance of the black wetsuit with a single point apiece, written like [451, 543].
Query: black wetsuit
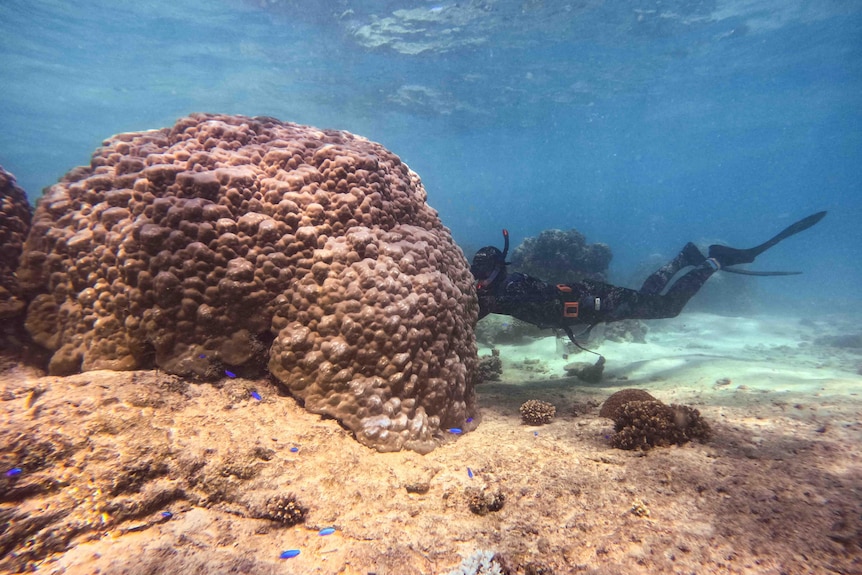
[591, 302]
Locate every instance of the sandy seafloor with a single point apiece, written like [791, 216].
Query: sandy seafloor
[776, 490]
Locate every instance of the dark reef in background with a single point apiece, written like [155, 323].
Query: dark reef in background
[15, 218]
[562, 257]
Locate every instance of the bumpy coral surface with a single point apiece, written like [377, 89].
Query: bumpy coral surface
[14, 225]
[612, 404]
[647, 424]
[537, 412]
[228, 241]
[284, 509]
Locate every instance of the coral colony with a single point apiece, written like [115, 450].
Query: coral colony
[226, 240]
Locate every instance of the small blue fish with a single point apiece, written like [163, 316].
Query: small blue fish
[469, 420]
[255, 395]
[14, 472]
[469, 473]
[289, 554]
[202, 356]
[167, 514]
[229, 374]
[535, 434]
[294, 449]
[455, 430]
[326, 531]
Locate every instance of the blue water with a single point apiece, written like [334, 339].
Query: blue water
[642, 124]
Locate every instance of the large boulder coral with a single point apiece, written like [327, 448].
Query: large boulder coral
[14, 224]
[236, 242]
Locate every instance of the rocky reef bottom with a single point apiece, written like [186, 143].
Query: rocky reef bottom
[142, 472]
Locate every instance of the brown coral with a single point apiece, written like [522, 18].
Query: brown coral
[14, 225]
[483, 501]
[648, 424]
[620, 398]
[537, 412]
[490, 367]
[284, 509]
[242, 242]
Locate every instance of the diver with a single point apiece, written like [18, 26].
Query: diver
[587, 303]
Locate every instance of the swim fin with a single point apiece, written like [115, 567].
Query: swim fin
[727, 256]
[753, 273]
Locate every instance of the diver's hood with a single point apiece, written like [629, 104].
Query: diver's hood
[489, 263]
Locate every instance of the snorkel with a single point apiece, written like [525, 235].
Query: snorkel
[500, 265]
[505, 244]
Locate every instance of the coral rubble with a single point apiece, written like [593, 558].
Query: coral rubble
[482, 501]
[479, 563]
[626, 331]
[585, 371]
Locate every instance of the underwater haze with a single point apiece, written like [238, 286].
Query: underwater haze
[643, 124]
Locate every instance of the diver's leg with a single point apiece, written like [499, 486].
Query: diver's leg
[623, 303]
[689, 256]
[684, 289]
[649, 303]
